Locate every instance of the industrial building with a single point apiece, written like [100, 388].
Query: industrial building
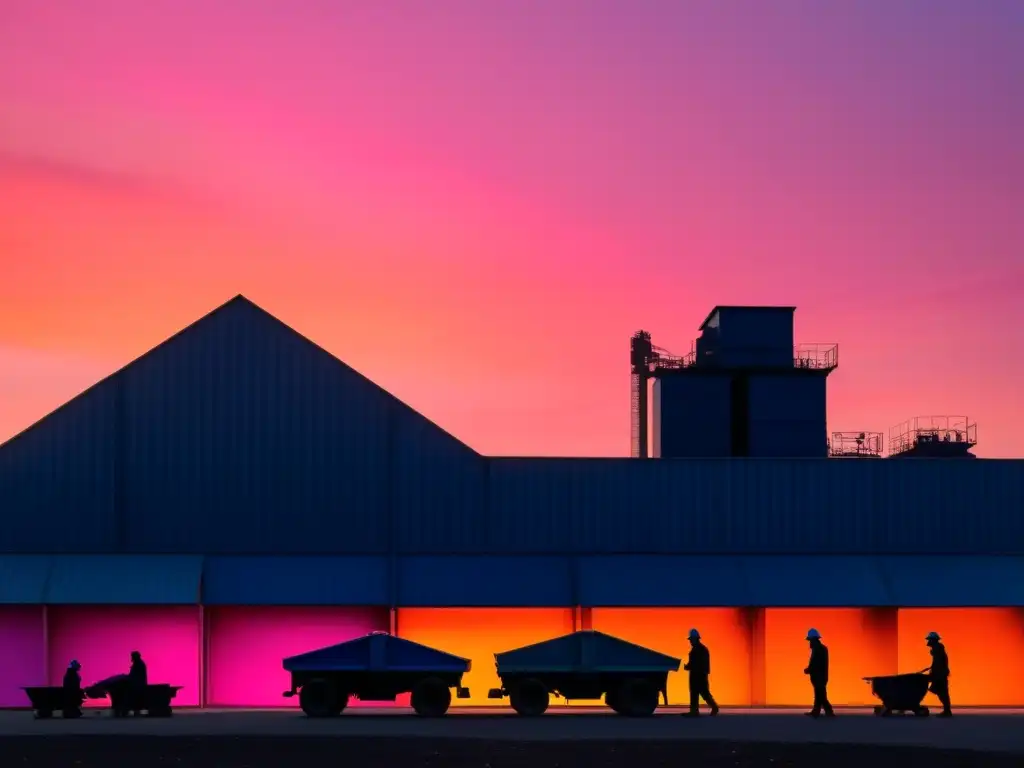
[238, 495]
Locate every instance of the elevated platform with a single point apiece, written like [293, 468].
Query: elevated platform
[935, 437]
[855, 445]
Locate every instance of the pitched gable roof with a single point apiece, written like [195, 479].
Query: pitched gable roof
[238, 304]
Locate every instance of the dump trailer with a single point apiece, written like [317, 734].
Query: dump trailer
[155, 698]
[584, 665]
[47, 699]
[377, 667]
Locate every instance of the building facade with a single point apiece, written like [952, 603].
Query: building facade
[238, 495]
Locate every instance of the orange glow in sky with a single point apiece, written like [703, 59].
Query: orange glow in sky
[411, 188]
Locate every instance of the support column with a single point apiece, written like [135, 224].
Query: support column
[883, 623]
[46, 645]
[582, 618]
[202, 657]
[755, 618]
[393, 622]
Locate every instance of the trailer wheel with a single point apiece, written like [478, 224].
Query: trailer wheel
[529, 698]
[611, 701]
[431, 697]
[319, 699]
[637, 698]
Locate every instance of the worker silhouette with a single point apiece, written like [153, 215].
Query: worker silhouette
[137, 682]
[939, 673]
[72, 690]
[817, 670]
[698, 664]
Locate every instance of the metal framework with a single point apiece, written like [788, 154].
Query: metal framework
[856, 445]
[912, 433]
[647, 362]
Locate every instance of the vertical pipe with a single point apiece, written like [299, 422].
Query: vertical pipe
[393, 621]
[644, 408]
[758, 657]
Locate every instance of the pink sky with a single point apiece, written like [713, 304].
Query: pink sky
[476, 203]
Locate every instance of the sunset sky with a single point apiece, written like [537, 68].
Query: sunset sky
[476, 202]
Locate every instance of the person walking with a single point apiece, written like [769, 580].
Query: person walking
[698, 664]
[939, 673]
[817, 670]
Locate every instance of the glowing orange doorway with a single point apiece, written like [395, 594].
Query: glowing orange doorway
[861, 643]
[478, 634]
[984, 647]
[725, 631]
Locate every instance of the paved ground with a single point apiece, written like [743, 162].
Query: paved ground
[990, 731]
[412, 752]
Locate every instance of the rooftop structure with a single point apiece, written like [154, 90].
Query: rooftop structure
[856, 445]
[933, 437]
[744, 389]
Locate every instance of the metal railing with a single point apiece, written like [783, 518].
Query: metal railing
[909, 434]
[855, 444]
[813, 356]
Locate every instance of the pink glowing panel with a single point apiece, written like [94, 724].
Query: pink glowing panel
[22, 654]
[247, 645]
[103, 637]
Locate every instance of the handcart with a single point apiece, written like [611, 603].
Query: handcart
[47, 699]
[155, 699]
[900, 694]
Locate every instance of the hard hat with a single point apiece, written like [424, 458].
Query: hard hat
[813, 634]
[694, 634]
[933, 636]
[74, 664]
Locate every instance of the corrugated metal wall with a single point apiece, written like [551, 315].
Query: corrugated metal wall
[240, 437]
[756, 505]
[438, 489]
[57, 479]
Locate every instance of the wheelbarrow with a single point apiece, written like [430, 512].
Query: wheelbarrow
[47, 699]
[900, 694]
[154, 699]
